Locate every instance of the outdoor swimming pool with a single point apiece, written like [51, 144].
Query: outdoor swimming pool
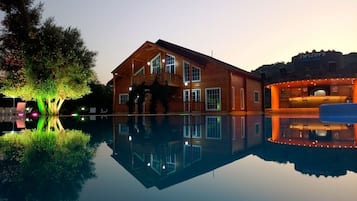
[197, 157]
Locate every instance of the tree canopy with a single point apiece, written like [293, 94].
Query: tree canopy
[44, 62]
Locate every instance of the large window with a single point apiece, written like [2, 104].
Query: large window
[170, 64]
[196, 74]
[155, 64]
[186, 72]
[123, 98]
[213, 99]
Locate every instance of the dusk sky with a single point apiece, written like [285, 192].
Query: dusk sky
[244, 33]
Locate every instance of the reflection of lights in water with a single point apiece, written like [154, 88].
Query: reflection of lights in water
[35, 114]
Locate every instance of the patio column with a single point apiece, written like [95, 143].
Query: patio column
[354, 99]
[275, 97]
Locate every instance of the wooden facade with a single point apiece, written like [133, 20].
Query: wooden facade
[191, 81]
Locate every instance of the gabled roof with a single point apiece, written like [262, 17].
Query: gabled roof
[147, 43]
[184, 52]
[197, 57]
[200, 58]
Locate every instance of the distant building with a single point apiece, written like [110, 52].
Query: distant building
[309, 80]
[184, 81]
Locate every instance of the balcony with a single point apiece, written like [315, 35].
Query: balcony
[173, 80]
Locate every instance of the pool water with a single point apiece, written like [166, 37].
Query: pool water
[193, 157]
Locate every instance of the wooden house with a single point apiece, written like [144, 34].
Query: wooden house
[164, 77]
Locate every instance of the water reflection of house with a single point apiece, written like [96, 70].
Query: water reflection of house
[164, 151]
[314, 147]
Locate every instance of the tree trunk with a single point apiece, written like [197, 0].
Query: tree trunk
[50, 106]
[41, 106]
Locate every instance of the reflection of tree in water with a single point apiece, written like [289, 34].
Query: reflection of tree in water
[44, 164]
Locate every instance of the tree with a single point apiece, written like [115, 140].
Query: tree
[19, 26]
[52, 63]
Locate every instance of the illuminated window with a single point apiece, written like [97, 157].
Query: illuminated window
[186, 72]
[170, 64]
[196, 74]
[213, 99]
[155, 64]
[123, 98]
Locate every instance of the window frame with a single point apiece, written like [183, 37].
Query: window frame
[199, 74]
[120, 98]
[157, 57]
[168, 65]
[219, 102]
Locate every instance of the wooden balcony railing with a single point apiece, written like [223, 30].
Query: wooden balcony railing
[172, 79]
